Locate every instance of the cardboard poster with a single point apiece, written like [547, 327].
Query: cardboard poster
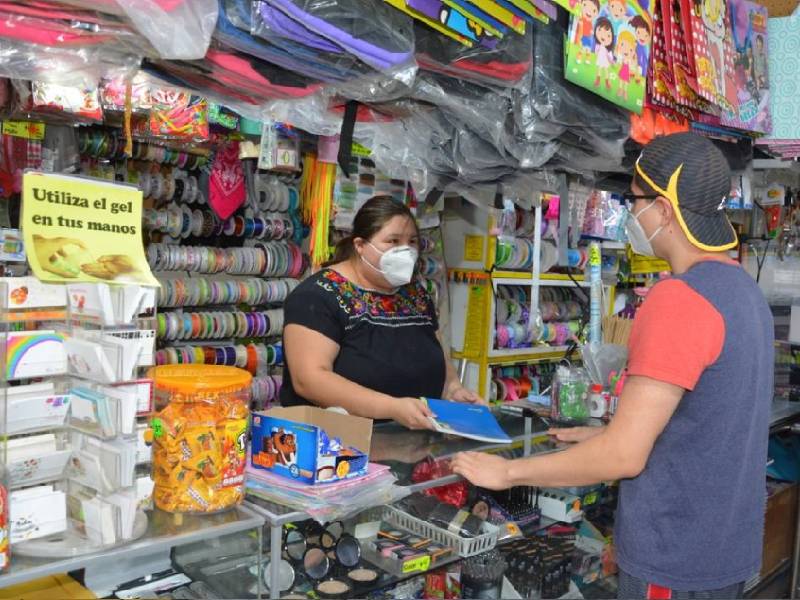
[608, 50]
[713, 52]
[660, 84]
[749, 35]
[80, 229]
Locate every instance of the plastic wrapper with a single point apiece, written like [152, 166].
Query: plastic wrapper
[176, 29]
[239, 38]
[239, 19]
[82, 66]
[509, 64]
[561, 125]
[605, 217]
[337, 64]
[113, 91]
[570, 396]
[377, 34]
[477, 108]
[178, 115]
[199, 437]
[60, 152]
[239, 76]
[348, 501]
[601, 360]
[51, 24]
[53, 100]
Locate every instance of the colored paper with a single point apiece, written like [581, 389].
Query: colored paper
[501, 14]
[608, 50]
[79, 229]
[749, 35]
[433, 23]
[454, 18]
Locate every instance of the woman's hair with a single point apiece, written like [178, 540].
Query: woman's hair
[369, 220]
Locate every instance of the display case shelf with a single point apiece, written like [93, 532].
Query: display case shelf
[164, 531]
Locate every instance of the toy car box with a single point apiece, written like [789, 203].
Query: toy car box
[311, 444]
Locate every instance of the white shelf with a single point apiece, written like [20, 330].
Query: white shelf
[163, 533]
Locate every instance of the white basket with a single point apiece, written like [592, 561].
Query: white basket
[465, 547]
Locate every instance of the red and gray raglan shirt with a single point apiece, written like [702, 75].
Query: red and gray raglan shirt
[694, 519]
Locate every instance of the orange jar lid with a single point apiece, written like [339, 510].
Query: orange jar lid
[199, 379]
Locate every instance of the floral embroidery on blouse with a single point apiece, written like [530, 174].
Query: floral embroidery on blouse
[410, 305]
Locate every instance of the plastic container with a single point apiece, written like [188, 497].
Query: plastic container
[570, 400]
[597, 402]
[199, 437]
[465, 547]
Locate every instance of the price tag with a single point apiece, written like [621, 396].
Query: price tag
[158, 428]
[473, 248]
[417, 565]
[360, 151]
[595, 259]
[29, 130]
[286, 158]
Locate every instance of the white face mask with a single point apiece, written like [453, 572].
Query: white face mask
[396, 264]
[640, 243]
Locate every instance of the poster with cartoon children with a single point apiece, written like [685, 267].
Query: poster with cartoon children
[749, 35]
[608, 49]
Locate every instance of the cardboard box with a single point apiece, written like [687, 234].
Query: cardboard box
[779, 527]
[299, 443]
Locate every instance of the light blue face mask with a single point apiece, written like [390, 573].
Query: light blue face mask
[640, 243]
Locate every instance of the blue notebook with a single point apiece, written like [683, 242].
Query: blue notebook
[467, 420]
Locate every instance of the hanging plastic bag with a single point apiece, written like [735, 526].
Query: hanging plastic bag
[177, 29]
[233, 30]
[374, 32]
[509, 63]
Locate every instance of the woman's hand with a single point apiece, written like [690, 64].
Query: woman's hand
[575, 434]
[412, 412]
[484, 470]
[458, 393]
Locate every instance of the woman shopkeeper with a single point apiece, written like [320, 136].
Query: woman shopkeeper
[361, 333]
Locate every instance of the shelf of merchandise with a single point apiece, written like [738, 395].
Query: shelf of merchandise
[474, 280]
[165, 531]
[276, 516]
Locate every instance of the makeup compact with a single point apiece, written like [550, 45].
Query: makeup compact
[362, 575]
[316, 563]
[295, 544]
[348, 551]
[333, 588]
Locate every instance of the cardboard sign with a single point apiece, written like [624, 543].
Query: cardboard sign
[713, 52]
[749, 35]
[79, 229]
[608, 50]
